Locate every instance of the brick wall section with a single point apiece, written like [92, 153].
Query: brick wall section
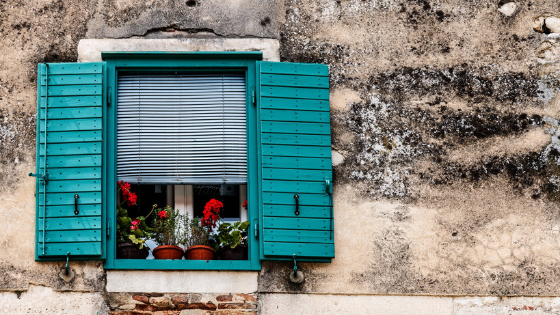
[187, 304]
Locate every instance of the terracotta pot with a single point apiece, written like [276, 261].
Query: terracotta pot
[200, 252]
[131, 251]
[168, 252]
[240, 252]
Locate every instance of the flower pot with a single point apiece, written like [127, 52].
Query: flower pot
[240, 252]
[200, 252]
[168, 252]
[131, 251]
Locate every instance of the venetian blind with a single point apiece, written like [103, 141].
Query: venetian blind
[181, 129]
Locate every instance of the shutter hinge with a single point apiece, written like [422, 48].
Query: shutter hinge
[108, 228]
[256, 225]
[253, 97]
[109, 95]
[40, 176]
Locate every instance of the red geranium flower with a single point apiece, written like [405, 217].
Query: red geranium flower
[162, 214]
[132, 198]
[211, 210]
[245, 204]
[135, 224]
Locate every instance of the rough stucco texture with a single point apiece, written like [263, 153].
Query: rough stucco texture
[445, 132]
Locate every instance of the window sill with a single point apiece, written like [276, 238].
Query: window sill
[181, 282]
[144, 264]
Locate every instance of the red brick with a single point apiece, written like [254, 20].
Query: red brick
[245, 297]
[233, 312]
[129, 313]
[237, 306]
[199, 306]
[224, 298]
[150, 308]
[141, 298]
[180, 299]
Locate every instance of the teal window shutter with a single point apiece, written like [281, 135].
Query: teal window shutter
[69, 161]
[296, 172]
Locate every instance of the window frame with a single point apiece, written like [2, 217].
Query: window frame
[184, 62]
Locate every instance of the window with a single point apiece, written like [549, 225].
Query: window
[288, 167]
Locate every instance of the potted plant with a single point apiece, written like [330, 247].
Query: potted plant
[131, 233]
[233, 241]
[166, 224]
[198, 233]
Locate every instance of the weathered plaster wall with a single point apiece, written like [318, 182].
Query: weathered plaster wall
[445, 134]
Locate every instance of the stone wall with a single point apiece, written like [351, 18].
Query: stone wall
[445, 146]
[182, 304]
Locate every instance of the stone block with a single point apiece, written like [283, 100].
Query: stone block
[162, 302]
[245, 297]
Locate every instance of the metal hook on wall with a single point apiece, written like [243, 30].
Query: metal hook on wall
[67, 263]
[296, 277]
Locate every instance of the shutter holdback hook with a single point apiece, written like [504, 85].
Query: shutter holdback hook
[295, 266]
[66, 271]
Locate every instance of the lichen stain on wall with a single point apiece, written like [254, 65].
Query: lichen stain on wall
[449, 179]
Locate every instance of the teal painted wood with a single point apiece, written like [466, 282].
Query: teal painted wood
[69, 150]
[288, 211]
[294, 104]
[289, 138]
[74, 173]
[53, 199]
[72, 101]
[295, 80]
[294, 186]
[72, 236]
[74, 161]
[296, 175]
[295, 115]
[70, 136]
[73, 125]
[318, 199]
[73, 90]
[290, 92]
[73, 223]
[296, 150]
[74, 112]
[75, 68]
[72, 148]
[296, 223]
[294, 68]
[300, 249]
[76, 249]
[74, 186]
[296, 162]
[184, 62]
[77, 79]
[143, 264]
[291, 127]
[297, 236]
[89, 210]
